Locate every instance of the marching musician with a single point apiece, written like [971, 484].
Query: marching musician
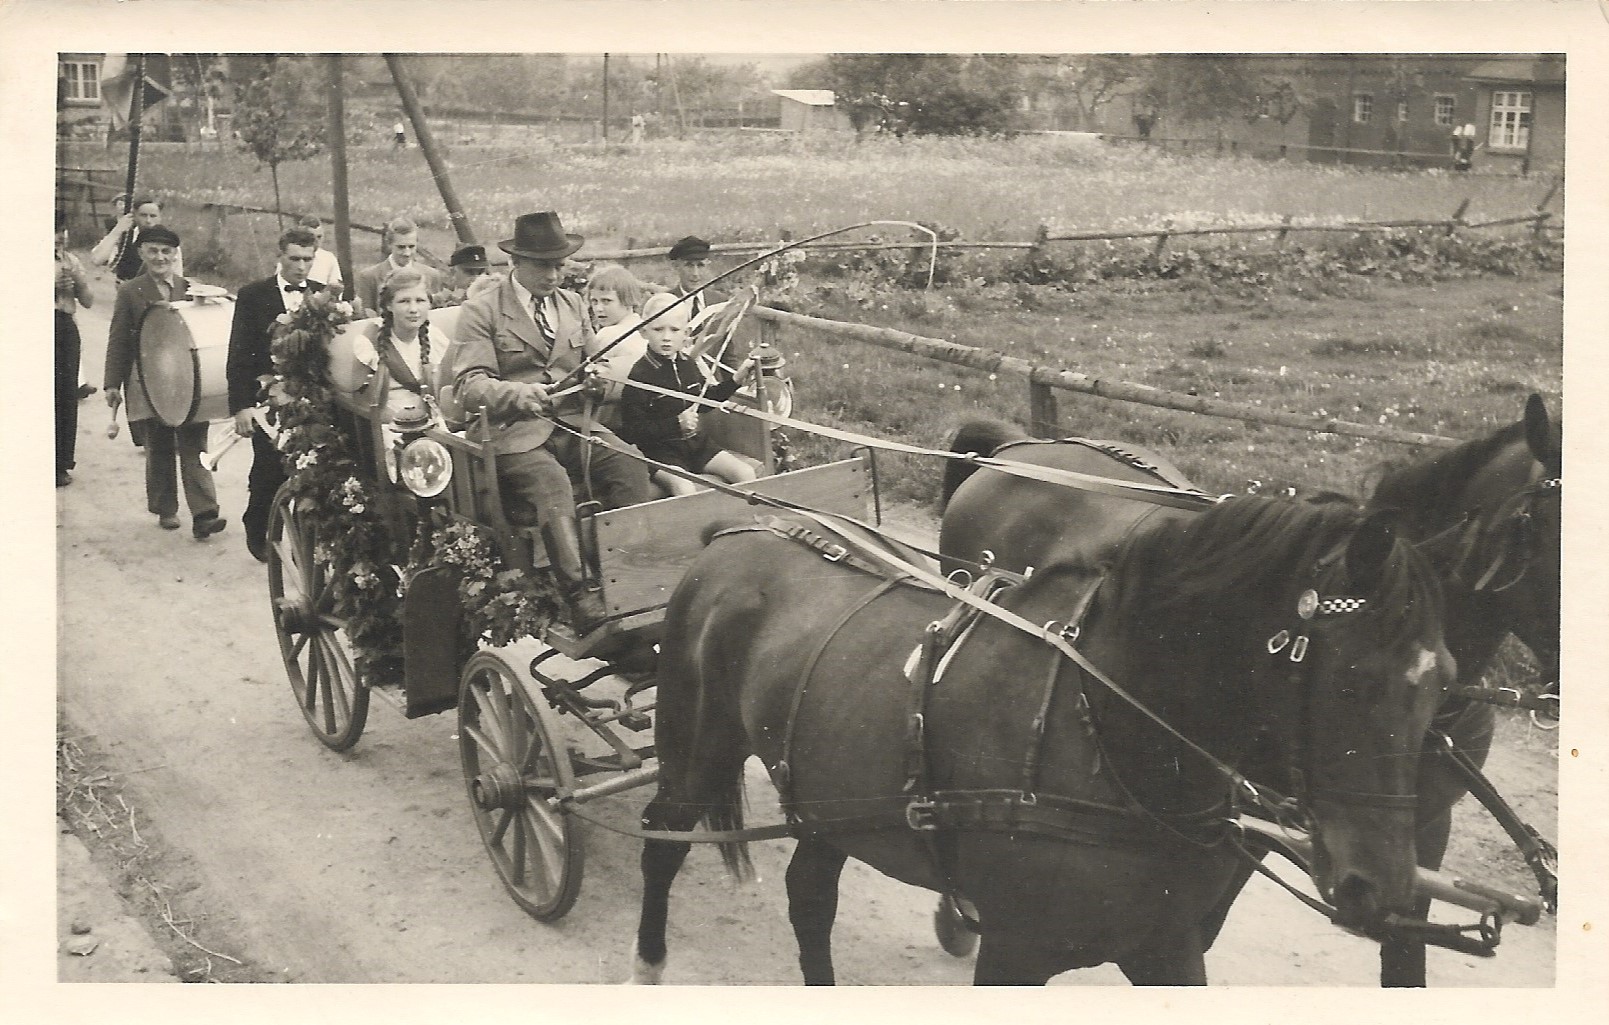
[165, 446]
[251, 358]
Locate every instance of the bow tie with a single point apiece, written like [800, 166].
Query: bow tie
[295, 288]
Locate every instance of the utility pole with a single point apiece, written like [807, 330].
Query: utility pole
[427, 144]
[336, 139]
[606, 99]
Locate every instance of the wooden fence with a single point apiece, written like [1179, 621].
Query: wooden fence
[1541, 221]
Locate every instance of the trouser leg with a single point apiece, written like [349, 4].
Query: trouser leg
[535, 487]
[262, 484]
[616, 478]
[161, 476]
[200, 494]
[69, 349]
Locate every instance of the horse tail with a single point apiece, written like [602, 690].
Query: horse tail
[727, 813]
[975, 437]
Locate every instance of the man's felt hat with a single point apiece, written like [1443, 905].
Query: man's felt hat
[690, 248]
[469, 257]
[540, 236]
[159, 235]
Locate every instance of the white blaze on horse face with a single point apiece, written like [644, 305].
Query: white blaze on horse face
[1422, 667]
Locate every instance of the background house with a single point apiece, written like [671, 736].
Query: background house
[810, 110]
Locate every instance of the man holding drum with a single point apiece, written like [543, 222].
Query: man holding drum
[251, 358]
[164, 446]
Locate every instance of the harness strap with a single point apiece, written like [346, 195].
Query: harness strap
[1540, 855]
[1036, 743]
[784, 770]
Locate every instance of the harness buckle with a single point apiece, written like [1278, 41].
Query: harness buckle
[921, 815]
[834, 553]
[1299, 648]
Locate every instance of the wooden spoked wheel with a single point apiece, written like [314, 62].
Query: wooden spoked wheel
[514, 762]
[312, 640]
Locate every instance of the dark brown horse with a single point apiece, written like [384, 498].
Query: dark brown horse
[1485, 512]
[1082, 830]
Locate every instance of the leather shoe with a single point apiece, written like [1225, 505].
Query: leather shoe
[63, 478]
[168, 522]
[258, 547]
[206, 526]
[86, 390]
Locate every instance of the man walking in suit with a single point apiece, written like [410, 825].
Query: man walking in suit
[404, 236]
[250, 359]
[164, 445]
[690, 258]
[513, 341]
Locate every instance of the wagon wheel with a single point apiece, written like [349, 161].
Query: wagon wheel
[514, 762]
[312, 640]
[954, 935]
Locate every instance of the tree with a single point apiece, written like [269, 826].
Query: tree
[275, 119]
[937, 94]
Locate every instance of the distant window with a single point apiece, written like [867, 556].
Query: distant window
[1446, 107]
[1362, 108]
[83, 80]
[1511, 120]
[1402, 110]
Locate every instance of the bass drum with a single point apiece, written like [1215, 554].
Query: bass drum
[184, 356]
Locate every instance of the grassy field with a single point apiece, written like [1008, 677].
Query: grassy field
[1455, 358]
[753, 187]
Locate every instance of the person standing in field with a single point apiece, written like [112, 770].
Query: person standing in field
[666, 429]
[690, 259]
[251, 359]
[404, 242]
[71, 292]
[512, 343]
[171, 453]
[399, 136]
[326, 267]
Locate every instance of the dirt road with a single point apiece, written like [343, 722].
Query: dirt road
[365, 867]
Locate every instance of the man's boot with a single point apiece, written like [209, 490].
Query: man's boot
[581, 591]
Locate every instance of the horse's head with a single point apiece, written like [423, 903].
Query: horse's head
[1367, 666]
[1487, 513]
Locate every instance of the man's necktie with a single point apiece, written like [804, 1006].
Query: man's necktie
[295, 288]
[539, 309]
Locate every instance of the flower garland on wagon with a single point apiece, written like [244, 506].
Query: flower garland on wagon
[367, 528]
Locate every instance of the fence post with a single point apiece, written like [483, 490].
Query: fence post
[1284, 232]
[1458, 217]
[220, 214]
[1161, 241]
[1044, 419]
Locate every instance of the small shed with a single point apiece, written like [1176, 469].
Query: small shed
[810, 110]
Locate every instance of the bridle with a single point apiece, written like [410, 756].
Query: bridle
[1511, 522]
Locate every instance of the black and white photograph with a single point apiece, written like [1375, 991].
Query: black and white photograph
[923, 494]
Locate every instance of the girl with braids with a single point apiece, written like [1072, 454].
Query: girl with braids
[402, 342]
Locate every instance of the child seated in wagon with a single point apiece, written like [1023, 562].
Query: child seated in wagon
[614, 297]
[664, 428]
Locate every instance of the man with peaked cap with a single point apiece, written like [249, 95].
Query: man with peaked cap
[690, 258]
[466, 276]
[512, 342]
[164, 445]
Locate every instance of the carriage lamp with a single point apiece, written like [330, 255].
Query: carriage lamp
[770, 364]
[406, 411]
[425, 467]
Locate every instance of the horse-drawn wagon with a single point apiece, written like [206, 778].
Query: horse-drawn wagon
[394, 571]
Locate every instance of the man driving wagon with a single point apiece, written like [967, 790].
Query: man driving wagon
[513, 342]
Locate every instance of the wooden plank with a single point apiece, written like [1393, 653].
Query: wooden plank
[645, 549]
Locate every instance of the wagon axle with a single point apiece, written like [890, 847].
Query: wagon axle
[501, 786]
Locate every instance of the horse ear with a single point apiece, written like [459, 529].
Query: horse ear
[1369, 549]
[1539, 431]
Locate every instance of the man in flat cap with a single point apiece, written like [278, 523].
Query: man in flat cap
[512, 342]
[690, 259]
[467, 276]
[164, 445]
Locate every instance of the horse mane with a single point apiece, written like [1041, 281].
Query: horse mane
[1431, 491]
[1182, 577]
